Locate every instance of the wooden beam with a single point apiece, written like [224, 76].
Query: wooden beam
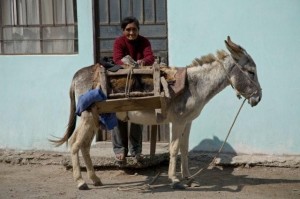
[136, 71]
[128, 104]
[131, 94]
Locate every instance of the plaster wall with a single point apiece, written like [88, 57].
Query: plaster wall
[34, 90]
[270, 32]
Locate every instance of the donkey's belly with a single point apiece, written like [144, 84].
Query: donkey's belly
[139, 117]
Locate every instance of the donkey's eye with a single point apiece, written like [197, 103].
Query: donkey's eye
[252, 74]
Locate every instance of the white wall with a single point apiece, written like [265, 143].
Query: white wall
[270, 31]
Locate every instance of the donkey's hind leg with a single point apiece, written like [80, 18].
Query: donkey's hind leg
[76, 165]
[85, 150]
[84, 128]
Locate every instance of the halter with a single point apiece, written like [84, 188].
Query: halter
[239, 93]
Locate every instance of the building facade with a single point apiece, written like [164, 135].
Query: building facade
[39, 55]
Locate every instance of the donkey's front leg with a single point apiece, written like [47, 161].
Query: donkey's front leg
[184, 147]
[174, 148]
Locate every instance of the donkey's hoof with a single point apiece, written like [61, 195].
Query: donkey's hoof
[177, 185]
[83, 186]
[193, 183]
[99, 183]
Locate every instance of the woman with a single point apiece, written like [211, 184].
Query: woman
[139, 48]
[133, 44]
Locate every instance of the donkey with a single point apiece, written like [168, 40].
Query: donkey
[206, 77]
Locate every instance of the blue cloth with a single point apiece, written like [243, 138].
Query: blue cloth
[87, 99]
[109, 120]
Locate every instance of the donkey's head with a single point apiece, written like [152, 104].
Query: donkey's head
[243, 75]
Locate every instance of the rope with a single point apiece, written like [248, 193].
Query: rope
[139, 187]
[212, 163]
[128, 79]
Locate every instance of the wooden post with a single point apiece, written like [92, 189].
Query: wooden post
[153, 140]
[103, 80]
[156, 84]
[156, 79]
[101, 134]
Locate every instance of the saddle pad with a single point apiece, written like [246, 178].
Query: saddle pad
[180, 77]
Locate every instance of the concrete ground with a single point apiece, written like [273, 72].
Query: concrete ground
[103, 156]
[48, 174]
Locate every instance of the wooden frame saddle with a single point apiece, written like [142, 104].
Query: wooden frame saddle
[119, 102]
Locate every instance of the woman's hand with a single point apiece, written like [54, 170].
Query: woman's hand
[140, 62]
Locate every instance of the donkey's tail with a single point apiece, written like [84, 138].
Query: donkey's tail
[72, 120]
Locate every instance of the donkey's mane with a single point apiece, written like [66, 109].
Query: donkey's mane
[210, 58]
[206, 59]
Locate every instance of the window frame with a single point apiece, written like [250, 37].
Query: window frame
[63, 36]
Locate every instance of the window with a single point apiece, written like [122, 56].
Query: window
[38, 27]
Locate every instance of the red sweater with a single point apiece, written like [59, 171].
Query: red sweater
[138, 49]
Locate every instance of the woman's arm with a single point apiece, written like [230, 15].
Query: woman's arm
[118, 53]
[148, 59]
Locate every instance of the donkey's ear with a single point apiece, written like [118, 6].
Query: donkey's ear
[236, 51]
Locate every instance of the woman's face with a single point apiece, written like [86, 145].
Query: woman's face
[131, 31]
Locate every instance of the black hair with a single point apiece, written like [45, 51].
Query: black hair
[128, 20]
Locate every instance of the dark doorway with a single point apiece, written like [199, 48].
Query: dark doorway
[152, 15]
